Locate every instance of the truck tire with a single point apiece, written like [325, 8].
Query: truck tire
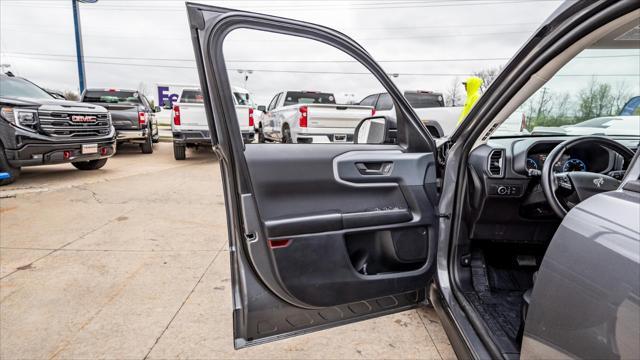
[179, 151]
[13, 172]
[156, 138]
[90, 165]
[147, 146]
[286, 135]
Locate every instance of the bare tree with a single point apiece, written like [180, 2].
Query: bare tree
[71, 95]
[538, 109]
[487, 76]
[621, 94]
[595, 100]
[453, 96]
[563, 106]
[544, 104]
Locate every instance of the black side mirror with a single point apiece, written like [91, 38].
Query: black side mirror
[262, 108]
[376, 130]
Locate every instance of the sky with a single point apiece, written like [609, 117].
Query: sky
[140, 43]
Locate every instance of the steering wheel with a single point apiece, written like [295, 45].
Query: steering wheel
[564, 190]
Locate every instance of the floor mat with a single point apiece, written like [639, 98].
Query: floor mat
[501, 311]
[497, 297]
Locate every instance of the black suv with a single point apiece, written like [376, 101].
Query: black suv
[38, 129]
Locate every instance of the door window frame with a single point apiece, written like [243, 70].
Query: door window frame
[413, 136]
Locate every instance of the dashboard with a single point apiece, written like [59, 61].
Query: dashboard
[579, 158]
[505, 200]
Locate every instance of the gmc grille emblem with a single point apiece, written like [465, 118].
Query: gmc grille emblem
[83, 118]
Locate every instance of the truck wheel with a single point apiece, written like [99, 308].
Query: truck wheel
[156, 137]
[147, 146]
[90, 165]
[286, 135]
[5, 167]
[179, 151]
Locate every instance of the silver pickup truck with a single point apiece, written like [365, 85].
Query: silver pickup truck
[309, 117]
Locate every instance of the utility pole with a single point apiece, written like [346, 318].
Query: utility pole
[78, 33]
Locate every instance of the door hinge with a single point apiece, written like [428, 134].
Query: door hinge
[446, 216]
[443, 152]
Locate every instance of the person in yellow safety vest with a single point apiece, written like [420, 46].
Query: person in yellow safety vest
[472, 86]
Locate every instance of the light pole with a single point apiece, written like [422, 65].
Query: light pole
[78, 32]
[246, 75]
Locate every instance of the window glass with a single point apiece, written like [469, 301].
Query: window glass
[369, 100]
[594, 93]
[111, 96]
[384, 102]
[191, 97]
[274, 102]
[308, 97]
[424, 99]
[317, 86]
[15, 87]
[243, 98]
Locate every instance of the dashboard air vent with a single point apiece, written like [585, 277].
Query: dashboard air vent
[496, 163]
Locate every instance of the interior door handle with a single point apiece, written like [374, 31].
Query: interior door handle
[374, 168]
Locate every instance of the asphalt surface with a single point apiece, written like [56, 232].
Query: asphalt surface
[131, 262]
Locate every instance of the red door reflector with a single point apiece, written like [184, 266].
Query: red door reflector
[276, 244]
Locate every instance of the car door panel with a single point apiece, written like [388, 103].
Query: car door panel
[302, 200]
[320, 235]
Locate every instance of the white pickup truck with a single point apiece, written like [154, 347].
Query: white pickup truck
[428, 105]
[309, 117]
[189, 121]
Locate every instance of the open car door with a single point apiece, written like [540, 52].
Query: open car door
[319, 234]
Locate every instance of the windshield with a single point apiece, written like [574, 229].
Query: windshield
[304, 97]
[16, 87]
[596, 93]
[111, 96]
[421, 100]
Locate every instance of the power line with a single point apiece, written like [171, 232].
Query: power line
[25, 54]
[363, 6]
[413, 27]
[324, 72]
[293, 38]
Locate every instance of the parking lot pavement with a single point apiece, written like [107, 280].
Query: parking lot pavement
[131, 262]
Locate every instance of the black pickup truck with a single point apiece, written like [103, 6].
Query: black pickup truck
[38, 129]
[132, 115]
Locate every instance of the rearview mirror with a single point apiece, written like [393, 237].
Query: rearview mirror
[376, 130]
[167, 106]
[157, 109]
[262, 108]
